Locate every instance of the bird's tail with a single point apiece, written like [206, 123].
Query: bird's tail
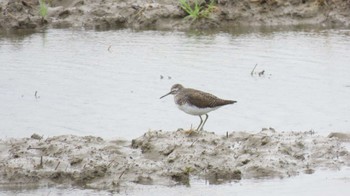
[226, 102]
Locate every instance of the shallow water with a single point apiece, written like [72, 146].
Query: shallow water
[109, 83]
[322, 183]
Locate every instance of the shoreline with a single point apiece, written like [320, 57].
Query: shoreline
[168, 15]
[168, 158]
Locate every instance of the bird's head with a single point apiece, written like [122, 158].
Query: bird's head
[174, 90]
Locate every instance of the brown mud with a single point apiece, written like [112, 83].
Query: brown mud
[167, 158]
[167, 14]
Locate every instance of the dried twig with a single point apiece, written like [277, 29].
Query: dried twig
[35, 148]
[111, 163]
[194, 141]
[122, 173]
[59, 162]
[251, 73]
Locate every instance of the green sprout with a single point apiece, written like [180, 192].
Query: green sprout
[43, 8]
[197, 10]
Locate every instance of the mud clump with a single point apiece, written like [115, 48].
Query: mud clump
[219, 176]
[341, 136]
[167, 14]
[167, 158]
[182, 177]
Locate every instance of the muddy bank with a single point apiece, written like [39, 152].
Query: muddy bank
[167, 158]
[167, 14]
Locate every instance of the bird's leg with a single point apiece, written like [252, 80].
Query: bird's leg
[207, 116]
[199, 123]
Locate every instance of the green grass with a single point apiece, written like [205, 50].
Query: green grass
[43, 8]
[193, 11]
[197, 10]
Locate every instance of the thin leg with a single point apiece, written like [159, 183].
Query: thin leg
[207, 116]
[199, 123]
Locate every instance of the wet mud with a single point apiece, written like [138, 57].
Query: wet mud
[167, 158]
[167, 14]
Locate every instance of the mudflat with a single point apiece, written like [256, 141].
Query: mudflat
[168, 14]
[167, 158]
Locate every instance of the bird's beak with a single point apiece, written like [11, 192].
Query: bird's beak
[166, 95]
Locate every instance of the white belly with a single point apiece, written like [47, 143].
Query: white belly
[193, 110]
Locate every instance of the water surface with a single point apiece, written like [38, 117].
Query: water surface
[322, 183]
[109, 83]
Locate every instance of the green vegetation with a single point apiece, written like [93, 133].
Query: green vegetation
[192, 11]
[197, 9]
[43, 8]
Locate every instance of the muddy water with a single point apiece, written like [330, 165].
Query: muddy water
[322, 183]
[109, 83]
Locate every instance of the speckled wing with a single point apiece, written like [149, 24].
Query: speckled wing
[205, 100]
